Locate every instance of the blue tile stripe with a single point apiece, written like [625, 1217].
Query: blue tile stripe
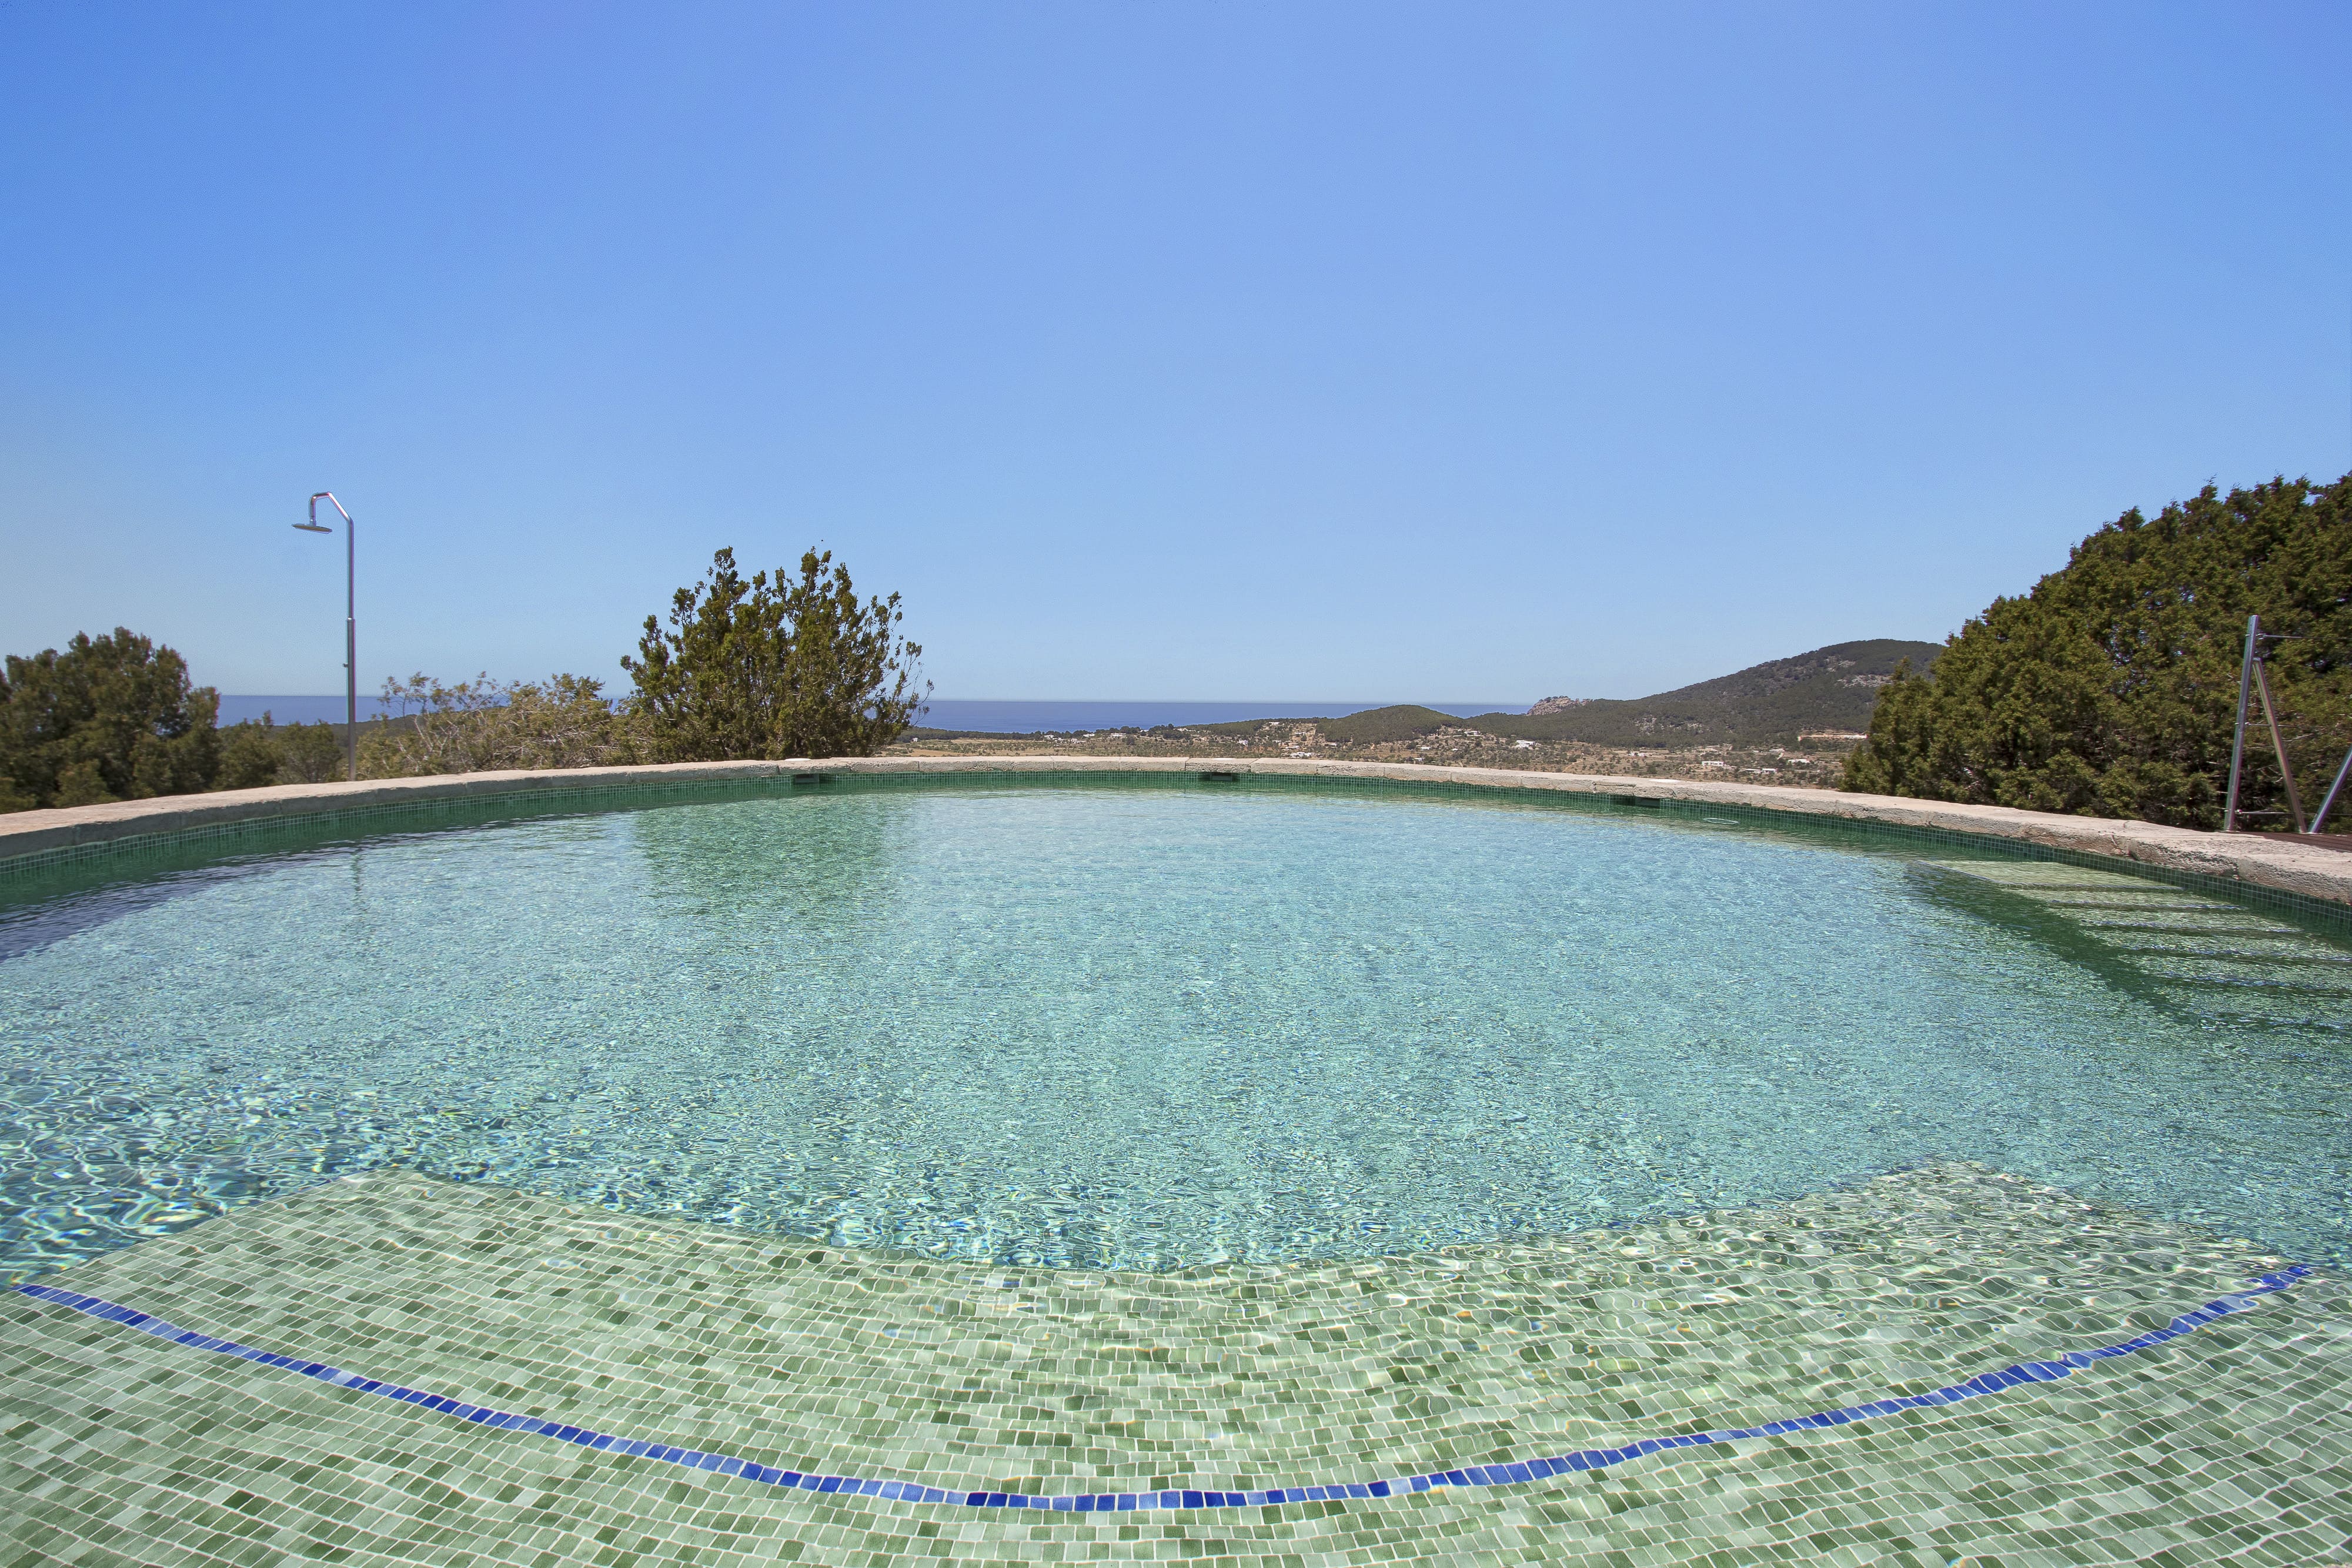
[1106, 1502]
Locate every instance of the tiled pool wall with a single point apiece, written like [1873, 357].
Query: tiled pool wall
[330, 823]
[22, 876]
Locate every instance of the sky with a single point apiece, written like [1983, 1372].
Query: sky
[1180, 351]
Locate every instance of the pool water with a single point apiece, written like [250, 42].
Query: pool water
[1108, 1025]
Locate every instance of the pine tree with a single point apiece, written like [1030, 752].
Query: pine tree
[2111, 689]
[109, 718]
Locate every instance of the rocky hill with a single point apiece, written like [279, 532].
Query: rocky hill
[1774, 702]
[1829, 688]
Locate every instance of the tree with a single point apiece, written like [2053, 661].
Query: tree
[254, 756]
[110, 718]
[2111, 689]
[788, 667]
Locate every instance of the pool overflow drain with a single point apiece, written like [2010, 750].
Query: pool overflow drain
[1121, 1502]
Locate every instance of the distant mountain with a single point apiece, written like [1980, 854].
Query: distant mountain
[1830, 688]
[1765, 705]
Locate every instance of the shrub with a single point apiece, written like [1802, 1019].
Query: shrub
[788, 667]
[479, 725]
[257, 755]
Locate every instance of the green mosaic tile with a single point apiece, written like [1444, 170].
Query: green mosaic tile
[2230, 1445]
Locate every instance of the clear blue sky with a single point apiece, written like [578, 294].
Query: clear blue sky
[1176, 351]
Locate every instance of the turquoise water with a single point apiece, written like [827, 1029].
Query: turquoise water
[1154, 1027]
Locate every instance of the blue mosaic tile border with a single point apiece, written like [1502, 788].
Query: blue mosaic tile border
[1105, 1502]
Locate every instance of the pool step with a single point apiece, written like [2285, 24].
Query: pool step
[2202, 950]
[2224, 945]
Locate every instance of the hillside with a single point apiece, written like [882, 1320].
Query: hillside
[1769, 704]
[1371, 728]
[1830, 688]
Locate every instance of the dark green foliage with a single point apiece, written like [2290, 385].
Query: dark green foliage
[310, 754]
[248, 756]
[110, 718]
[2109, 690]
[254, 756]
[1374, 725]
[762, 669]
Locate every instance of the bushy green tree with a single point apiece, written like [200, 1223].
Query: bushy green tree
[257, 755]
[109, 718]
[774, 668]
[2110, 689]
[309, 754]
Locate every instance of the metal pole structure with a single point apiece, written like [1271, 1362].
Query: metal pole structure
[350, 624]
[2238, 741]
[2334, 789]
[2269, 716]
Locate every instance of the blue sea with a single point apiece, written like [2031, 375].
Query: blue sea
[1003, 716]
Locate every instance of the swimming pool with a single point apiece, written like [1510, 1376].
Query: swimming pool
[1153, 1023]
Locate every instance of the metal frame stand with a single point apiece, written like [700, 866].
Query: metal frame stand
[2238, 741]
[2269, 718]
[2253, 679]
[2333, 790]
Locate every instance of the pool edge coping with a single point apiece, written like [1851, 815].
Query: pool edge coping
[32, 840]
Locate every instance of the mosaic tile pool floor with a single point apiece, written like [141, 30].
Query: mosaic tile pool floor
[2231, 1444]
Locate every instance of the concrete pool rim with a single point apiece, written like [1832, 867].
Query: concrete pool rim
[2255, 868]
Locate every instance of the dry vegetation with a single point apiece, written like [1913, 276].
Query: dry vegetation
[1816, 763]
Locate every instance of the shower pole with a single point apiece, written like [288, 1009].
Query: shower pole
[351, 626]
